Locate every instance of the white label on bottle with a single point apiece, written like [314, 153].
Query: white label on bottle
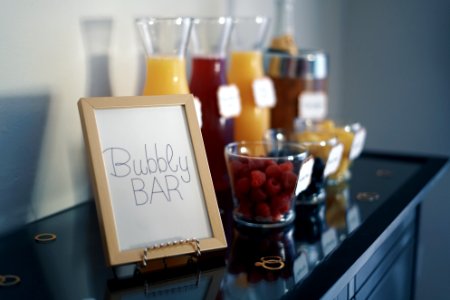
[198, 110]
[353, 219]
[334, 159]
[304, 177]
[264, 92]
[313, 105]
[229, 101]
[329, 241]
[300, 267]
[358, 143]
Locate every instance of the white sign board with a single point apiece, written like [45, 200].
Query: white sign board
[152, 180]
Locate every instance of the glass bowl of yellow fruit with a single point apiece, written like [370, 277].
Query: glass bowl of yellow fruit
[327, 151]
[351, 135]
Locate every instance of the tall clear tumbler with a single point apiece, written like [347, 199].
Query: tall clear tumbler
[265, 179]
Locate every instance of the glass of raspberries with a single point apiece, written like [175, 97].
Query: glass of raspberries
[263, 178]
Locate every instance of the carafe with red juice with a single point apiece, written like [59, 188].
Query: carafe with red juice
[209, 40]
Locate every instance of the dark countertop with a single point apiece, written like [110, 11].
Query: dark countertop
[318, 250]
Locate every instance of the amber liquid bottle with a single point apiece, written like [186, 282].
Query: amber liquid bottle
[299, 75]
[282, 49]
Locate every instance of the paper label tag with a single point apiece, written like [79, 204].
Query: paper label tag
[300, 267]
[198, 110]
[313, 105]
[229, 101]
[334, 159]
[313, 255]
[353, 219]
[358, 143]
[329, 241]
[264, 92]
[304, 177]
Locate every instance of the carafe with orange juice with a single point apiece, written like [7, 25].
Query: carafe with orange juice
[165, 41]
[247, 73]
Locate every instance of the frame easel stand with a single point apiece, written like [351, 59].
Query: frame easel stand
[144, 266]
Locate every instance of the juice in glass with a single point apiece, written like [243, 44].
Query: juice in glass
[166, 75]
[165, 42]
[253, 122]
[209, 44]
[208, 74]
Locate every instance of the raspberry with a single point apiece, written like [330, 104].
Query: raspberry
[245, 209]
[262, 210]
[286, 166]
[255, 276]
[236, 166]
[281, 204]
[258, 195]
[239, 168]
[276, 216]
[289, 180]
[273, 171]
[256, 164]
[273, 186]
[242, 186]
[245, 171]
[257, 178]
[269, 162]
[271, 276]
[284, 208]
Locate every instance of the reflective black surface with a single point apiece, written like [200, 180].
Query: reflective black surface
[305, 258]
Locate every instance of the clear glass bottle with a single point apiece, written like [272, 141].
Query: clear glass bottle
[165, 41]
[246, 67]
[209, 45]
[299, 75]
[301, 86]
[283, 39]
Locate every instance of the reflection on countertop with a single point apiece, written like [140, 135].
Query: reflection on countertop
[263, 264]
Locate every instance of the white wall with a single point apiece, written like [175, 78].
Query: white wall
[44, 66]
[396, 80]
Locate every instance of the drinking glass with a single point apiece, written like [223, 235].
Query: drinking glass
[352, 135]
[264, 178]
[327, 151]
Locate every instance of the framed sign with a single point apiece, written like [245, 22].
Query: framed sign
[151, 179]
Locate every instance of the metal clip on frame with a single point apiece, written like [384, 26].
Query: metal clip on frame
[193, 241]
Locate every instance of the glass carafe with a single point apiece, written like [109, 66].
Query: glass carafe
[165, 41]
[209, 43]
[246, 66]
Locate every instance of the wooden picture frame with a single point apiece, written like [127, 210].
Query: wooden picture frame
[150, 176]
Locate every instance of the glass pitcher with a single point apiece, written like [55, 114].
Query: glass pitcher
[209, 45]
[165, 41]
[246, 67]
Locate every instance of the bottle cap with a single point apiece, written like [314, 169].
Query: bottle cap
[309, 64]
